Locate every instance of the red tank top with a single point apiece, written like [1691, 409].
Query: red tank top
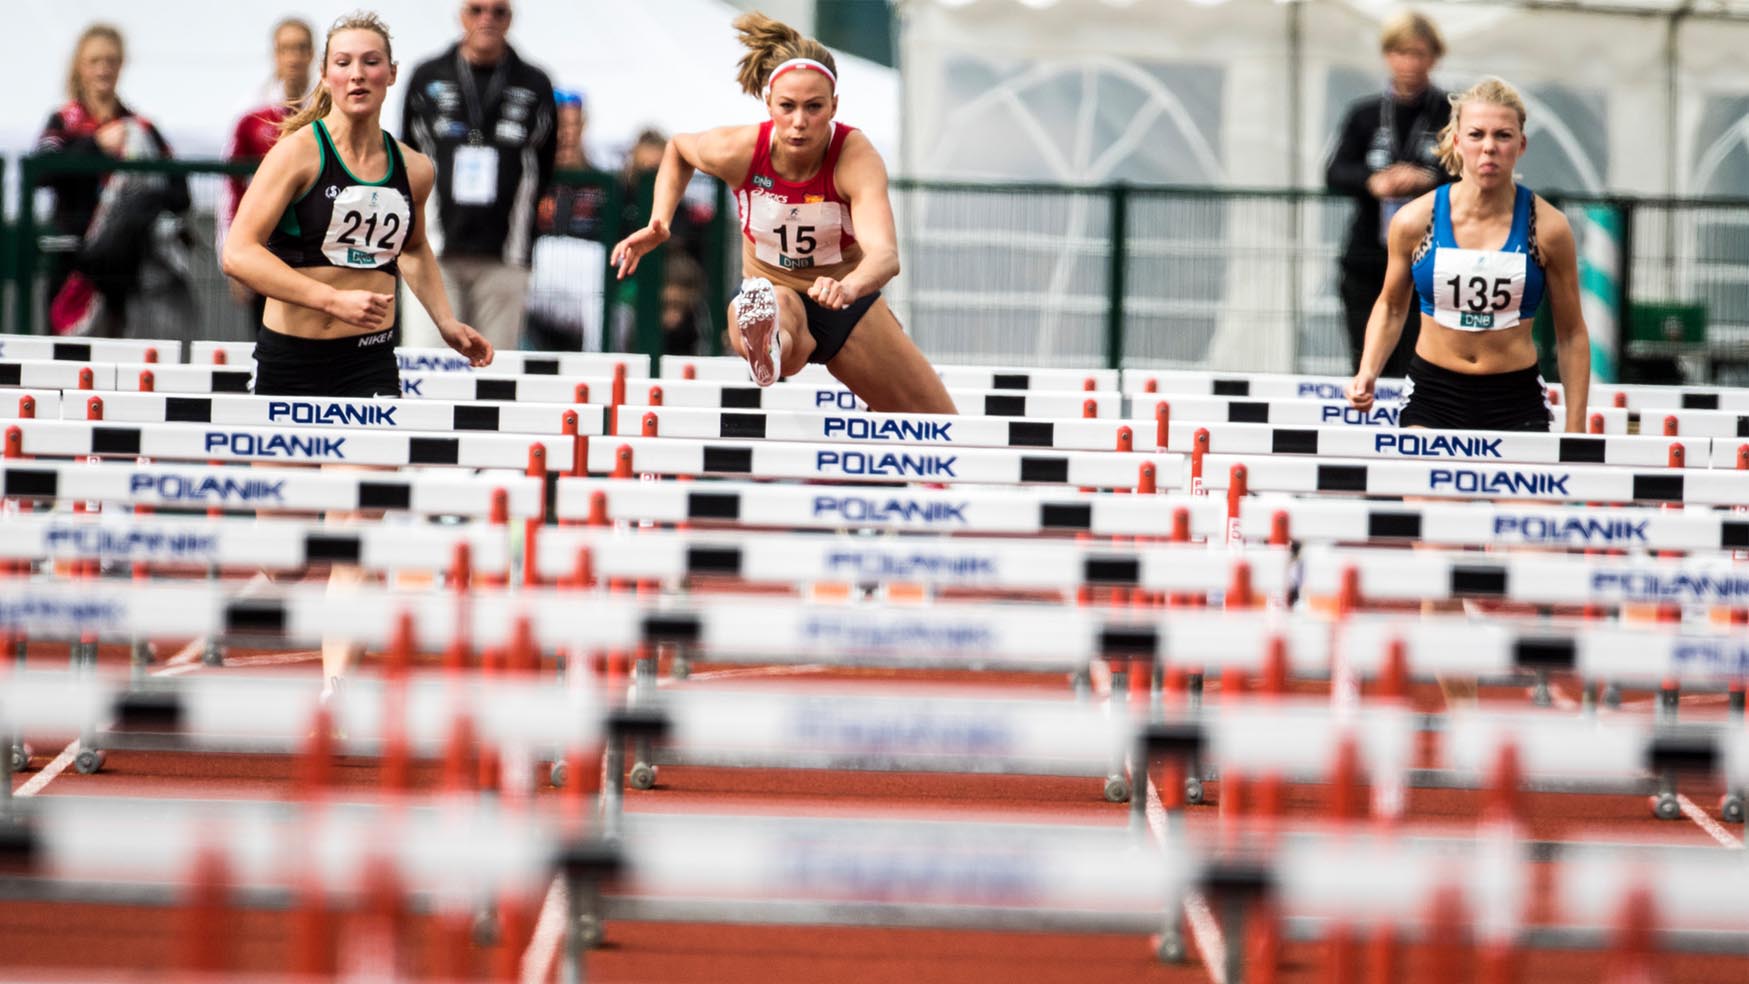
[795, 226]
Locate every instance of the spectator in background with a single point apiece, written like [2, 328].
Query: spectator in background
[114, 218]
[1386, 155]
[645, 158]
[570, 258]
[486, 118]
[683, 294]
[294, 48]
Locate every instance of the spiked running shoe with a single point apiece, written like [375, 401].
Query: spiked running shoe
[756, 314]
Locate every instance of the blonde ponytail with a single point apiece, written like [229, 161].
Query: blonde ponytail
[1491, 91]
[320, 102]
[770, 43]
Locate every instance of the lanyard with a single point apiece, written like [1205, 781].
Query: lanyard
[1386, 137]
[471, 99]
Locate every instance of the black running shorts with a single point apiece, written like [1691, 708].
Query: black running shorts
[356, 366]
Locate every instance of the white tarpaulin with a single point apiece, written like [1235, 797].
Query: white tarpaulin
[1249, 94]
[194, 65]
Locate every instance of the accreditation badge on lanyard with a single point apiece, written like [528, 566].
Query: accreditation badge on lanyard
[474, 170]
[474, 175]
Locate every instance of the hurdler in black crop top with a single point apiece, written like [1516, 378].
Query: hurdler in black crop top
[341, 221]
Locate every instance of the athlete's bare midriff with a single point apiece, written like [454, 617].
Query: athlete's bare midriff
[1481, 353]
[798, 280]
[303, 322]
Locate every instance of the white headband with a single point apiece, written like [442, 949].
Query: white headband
[795, 63]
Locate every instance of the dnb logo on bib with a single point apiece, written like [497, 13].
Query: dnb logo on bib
[761, 181]
[1472, 320]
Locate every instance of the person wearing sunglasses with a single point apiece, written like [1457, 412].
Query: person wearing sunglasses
[486, 117]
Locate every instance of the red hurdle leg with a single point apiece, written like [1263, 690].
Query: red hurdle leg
[207, 926]
[1162, 425]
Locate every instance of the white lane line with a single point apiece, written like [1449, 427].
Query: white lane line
[49, 772]
[1211, 946]
[741, 673]
[175, 666]
[1708, 824]
[1714, 829]
[549, 930]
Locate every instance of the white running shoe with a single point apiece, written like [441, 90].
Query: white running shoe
[756, 314]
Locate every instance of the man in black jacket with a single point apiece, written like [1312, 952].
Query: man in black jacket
[485, 117]
[1387, 155]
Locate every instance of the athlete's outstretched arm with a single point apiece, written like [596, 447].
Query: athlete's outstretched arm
[287, 171]
[724, 153]
[419, 266]
[1572, 338]
[862, 177]
[1385, 325]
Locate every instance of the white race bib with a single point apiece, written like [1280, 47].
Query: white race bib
[367, 227]
[474, 180]
[1477, 289]
[797, 237]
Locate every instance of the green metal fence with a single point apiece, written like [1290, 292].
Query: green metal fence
[29, 247]
[1097, 276]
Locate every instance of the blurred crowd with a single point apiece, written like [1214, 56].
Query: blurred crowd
[522, 219]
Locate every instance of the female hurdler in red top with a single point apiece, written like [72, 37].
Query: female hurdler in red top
[818, 242]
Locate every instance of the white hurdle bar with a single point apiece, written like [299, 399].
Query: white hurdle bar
[1177, 434]
[1035, 511]
[722, 629]
[454, 856]
[275, 544]
[970, 636]
[443, 360]
[48, 374]
[1024, 511]
[261, 714]
[729, 368]
[1480, 524]
[217, 442]
[1531, 578]
[672, 556]
[89, 350]
[369, 414]
[41, 403]
[1146, 383]
[780, 459]
[445, 492]
[1500, 650]
[1551, 483]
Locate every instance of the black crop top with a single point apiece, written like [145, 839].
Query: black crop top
[341, 221]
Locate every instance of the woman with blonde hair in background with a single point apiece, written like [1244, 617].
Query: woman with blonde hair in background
[817, 229]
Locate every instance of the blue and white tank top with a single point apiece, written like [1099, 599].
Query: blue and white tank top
[1480, 289]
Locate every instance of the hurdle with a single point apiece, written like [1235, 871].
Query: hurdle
[729, 368]
[624, 456]
[428, 493]
[240, 442]
[28, 403]
[1138, 383]
[1551, 483]
[41, 348]
[275, 544]
[413, 415]
[445, 360]
[49, 374]
[1175, 433]
[674, 556]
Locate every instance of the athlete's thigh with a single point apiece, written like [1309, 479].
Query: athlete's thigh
[881, 364]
